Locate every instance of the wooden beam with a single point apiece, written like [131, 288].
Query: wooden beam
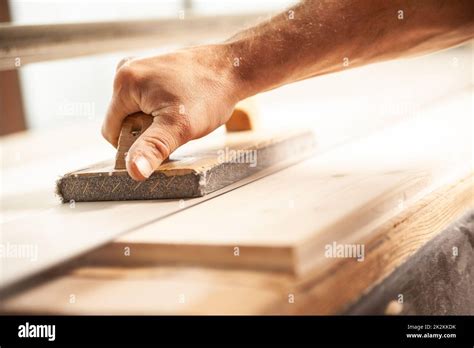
[11, 105]
[22, 44]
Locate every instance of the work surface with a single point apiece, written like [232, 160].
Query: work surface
[269, 246]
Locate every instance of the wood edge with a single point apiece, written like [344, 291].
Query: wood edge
[382, 258]
[194, 255]
[272, 139]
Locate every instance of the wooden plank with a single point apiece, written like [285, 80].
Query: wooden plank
[318, 292]
[441, 151]
[388, 247]
[79, 218]
[97, 288]
[437, 280]
[23, 44]
[324, 192]
[334, 197]
[152, 290]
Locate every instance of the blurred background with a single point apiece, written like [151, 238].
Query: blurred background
[76, 90]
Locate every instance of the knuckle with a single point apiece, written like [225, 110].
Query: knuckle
[169, 132]
[158, 148]
[125, 76]
[132, 77]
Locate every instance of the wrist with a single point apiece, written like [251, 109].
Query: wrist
[222, 65]
[238, 77]
[241, 69]
[229, 61]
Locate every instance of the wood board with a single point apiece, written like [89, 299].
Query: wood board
[71, 229]
[30, 198]
[151, 291]
[95, 288]
[437, 280]
[342, 196]
[99, 287]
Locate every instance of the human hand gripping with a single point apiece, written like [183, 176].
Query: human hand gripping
[189, 92]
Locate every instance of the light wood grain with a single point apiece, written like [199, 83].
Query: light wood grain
[166, 289]
[398, 188]
[153, 290]
[341, 282]
[340, 196]
[345, 109]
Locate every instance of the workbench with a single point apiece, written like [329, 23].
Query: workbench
[393, 183]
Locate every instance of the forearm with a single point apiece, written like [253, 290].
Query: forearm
[318, 37]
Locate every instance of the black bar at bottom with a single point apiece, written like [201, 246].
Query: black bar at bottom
[413, 330]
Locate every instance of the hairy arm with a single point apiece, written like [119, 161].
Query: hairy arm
[322, 36]
[193, 91]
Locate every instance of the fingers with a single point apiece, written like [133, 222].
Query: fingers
[165, 135]
[123, 102]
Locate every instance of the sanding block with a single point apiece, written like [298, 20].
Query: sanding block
[190, 172]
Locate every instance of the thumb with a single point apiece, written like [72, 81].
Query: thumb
[165, 134]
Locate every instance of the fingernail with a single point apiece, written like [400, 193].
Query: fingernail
[143, 166]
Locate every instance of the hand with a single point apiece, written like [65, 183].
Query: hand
[190, 93]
